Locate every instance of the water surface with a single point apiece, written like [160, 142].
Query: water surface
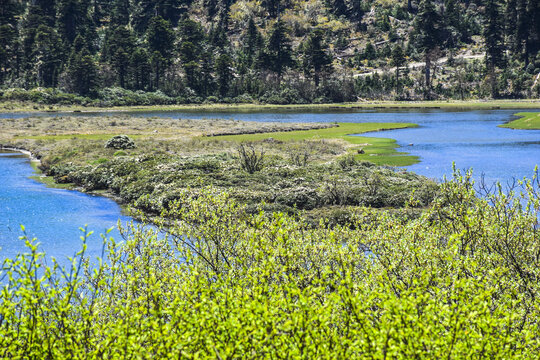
[51, 215]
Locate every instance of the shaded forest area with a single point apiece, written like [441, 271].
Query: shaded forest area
[142, 52]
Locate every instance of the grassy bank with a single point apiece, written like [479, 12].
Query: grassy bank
[526, 121]
[380, 151]
[449, 105]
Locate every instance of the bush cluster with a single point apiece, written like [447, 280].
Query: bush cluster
[291, 187]
[460, 281]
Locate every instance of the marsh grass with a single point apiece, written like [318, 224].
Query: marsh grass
[171, 155]
[526, 121]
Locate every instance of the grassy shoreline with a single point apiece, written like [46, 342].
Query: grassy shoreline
[526, 121]
[381, 151]
[450, 105]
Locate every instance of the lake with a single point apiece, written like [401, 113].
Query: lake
[469, 138]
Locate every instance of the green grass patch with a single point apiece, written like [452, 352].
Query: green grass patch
[50, 182]
[527, 121]
[381, 151]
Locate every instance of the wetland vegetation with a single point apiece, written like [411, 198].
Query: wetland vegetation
[311, 251]
[311, 167]
[525, 121]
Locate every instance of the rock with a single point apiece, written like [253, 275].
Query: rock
[361, 151]
[120, 142]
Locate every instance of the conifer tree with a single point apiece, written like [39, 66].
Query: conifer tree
[82, 71]
[398, 60]
[493, 37]
[120, 13]
[427, 37]
[252, 41]
[224, 73]
[273, 7]
[47, 57]
[316, 58]
[8, 37]
[140, 69]
[160, 40]
[278, 54]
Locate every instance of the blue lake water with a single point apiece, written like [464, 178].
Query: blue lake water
[51, 215]
[471, 139]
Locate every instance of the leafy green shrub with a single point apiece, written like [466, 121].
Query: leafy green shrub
[250, 159]
[457, 281]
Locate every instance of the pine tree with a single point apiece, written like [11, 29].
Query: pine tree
[47, 57]
[357, 11]
[278, 54]
[252, 41]
[316, 61]
[273, 7]
[224, 73]
[120, 13]
[339, 8]
[160, 40]
[73, 20]
[38, 13]
[398, 60]
[207, 82]
[140, 69]
[427, 37]
[82, 72]
[493, 37]
[511, 17]
[8, 37]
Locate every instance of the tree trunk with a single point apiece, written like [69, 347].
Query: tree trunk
[493, 82]
[428, 75]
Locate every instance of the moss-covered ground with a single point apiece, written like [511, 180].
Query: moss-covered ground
[526, 121]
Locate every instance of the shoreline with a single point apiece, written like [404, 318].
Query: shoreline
[15, 107]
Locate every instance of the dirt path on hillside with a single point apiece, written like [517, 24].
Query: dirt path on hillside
[417, 65]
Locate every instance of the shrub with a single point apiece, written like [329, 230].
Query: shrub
[120, 142]
[251, 160]
[458, 281]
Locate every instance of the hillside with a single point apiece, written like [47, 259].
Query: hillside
[141, 52]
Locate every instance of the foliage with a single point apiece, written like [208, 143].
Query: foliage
[120, 142]
[250, 160]
[235, 50]
[458, 281]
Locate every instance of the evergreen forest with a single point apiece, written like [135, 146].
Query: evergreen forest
[142, 52]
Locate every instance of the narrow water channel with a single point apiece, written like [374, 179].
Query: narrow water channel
[53, 216]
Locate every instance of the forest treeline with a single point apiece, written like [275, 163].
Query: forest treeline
[125, 52]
